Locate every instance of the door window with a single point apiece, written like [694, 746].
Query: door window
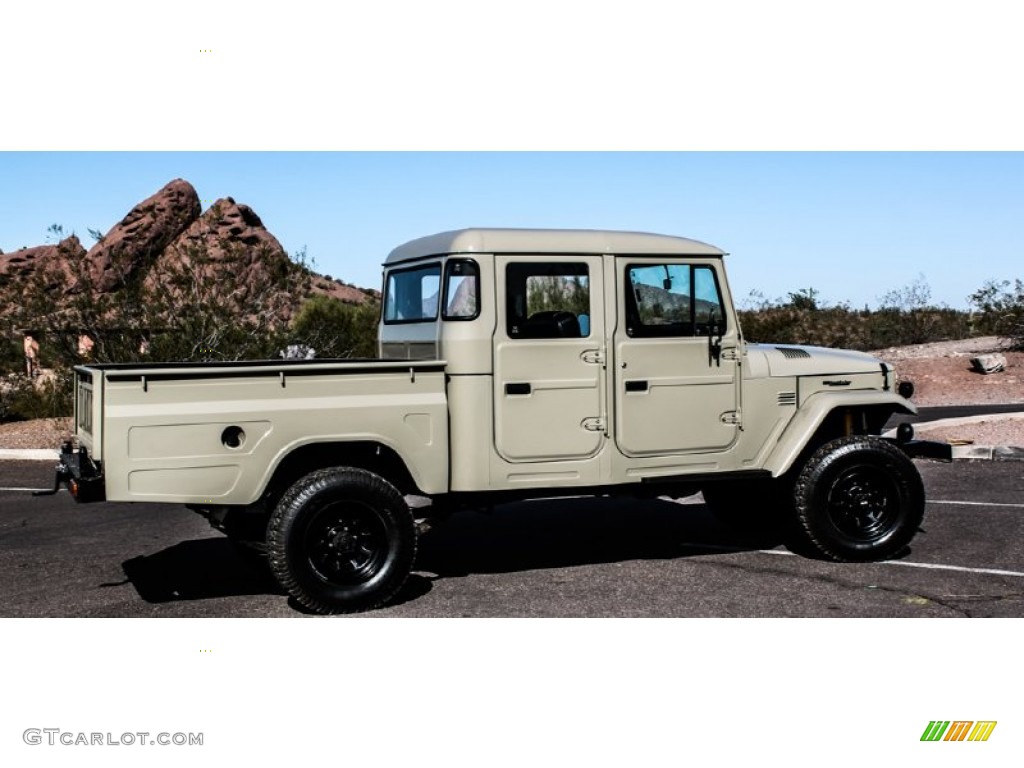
[547, 301]
[461, 290]
[672, 300]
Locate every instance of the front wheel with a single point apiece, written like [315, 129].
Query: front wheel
[341, 540]
[858, 499]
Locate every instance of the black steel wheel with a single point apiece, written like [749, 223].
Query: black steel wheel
[858, 499]
[341, 540]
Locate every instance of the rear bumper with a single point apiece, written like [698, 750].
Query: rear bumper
[82, 476]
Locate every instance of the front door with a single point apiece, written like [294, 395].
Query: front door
[675, 359]
[549, 358]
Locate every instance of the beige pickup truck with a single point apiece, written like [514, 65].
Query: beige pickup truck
[513, 364]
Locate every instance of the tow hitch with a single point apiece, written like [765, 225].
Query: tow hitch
[79, 473]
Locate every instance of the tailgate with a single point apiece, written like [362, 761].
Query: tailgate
[89, 410]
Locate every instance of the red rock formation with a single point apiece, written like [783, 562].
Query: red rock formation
[226, 230]
[349, 294]
[157, 242]
[139, 238]
[19, 266]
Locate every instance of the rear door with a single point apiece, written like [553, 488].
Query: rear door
[675, 392]
[549, 358]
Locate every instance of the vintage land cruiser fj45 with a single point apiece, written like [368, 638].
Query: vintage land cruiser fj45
[513, 364]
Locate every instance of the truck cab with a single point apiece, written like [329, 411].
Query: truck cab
[591, 358]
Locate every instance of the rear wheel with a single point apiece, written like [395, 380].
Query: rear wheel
[858, 499]
[341, 540]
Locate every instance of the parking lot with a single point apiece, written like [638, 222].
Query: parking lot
[561, 558]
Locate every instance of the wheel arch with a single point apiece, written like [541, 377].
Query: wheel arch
[371, 455]
[825, 416]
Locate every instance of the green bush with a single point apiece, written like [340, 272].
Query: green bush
[21, 399]
[334, 329]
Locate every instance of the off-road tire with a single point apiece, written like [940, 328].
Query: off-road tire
[858, 499]
[341, 540]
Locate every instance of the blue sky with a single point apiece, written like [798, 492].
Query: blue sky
[851, 225]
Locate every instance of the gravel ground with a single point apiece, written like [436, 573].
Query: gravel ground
[997, 430]
[39, 433]
[942, 373]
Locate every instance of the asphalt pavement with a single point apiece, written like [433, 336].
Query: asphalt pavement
[602, 557]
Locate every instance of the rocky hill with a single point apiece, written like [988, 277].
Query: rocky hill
[160, 236]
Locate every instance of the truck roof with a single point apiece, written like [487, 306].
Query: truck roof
[548, 241]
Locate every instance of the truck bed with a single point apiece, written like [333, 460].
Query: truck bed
[213, 433]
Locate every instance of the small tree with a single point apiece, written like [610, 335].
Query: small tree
[1000, 307]
[207, 308]
[805, 299]
[907, 315]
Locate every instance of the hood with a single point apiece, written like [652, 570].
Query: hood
[793, 360]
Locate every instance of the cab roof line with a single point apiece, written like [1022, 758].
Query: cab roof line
[548, 242]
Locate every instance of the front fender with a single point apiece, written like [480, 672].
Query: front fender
[813, 412]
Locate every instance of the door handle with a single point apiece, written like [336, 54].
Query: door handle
[519, 388]
[636, 385]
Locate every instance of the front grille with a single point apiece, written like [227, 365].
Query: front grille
[794, 353]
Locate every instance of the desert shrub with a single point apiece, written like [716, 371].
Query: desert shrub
[22, 399]
[906, 316]
[11, 390]
[12, 357]
[335, 329]
[890, 327]
[1000, 310]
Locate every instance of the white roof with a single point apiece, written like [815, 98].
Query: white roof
[549, 241]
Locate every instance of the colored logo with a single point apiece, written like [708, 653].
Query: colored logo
[958, 730]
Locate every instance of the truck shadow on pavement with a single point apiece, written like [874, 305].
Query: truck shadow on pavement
[556, 533]
[562, 533]
[547, 534]
[199, 569]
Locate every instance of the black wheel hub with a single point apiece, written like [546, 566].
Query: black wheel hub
[347, 543]
[863, 503]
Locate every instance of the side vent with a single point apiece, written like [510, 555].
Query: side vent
[794, 353]
[787, 398]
